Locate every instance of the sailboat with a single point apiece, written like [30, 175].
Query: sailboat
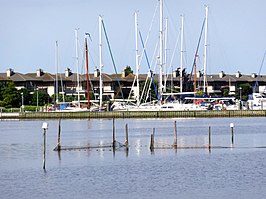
[74, 106]
[138, 106]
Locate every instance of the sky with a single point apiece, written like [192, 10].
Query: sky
[29, 29]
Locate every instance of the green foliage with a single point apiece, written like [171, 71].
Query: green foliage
[26, 96]
[245, 90]
[225, 92]
[128, 70]
[43, 98]
[200, 93]
[10, 97]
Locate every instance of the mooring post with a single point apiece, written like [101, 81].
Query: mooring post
[152, 140]
[209, 137]
[44, 127]
[59, 136]
[232, 132]
[175, 136]
[126, 143]
[113, 143]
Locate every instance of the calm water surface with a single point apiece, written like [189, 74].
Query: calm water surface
[238, 172]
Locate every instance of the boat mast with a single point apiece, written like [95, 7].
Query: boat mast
[87, 70]
[161, 50]
[205, 50]
[77, 64]
[56, 76]
[181, 53]
[165, 53]
[137, 58]
[100, 59]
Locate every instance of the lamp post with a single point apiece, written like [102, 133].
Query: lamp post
[240, 92]
[240, 97]
[37, 99]
[22, 101]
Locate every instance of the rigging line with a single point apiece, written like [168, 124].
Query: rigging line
[113, 61]
[144, 88]
[90, 43]
[145, 53]
[149, 86]
[170, 15]
[131, 90]
[149, 32]
[197, 49]
[173, 55]
[262, 62]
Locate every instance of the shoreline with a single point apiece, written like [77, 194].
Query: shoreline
[133, 114]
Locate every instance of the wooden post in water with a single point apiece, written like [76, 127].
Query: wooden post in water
[59, 136]
[175, 136]
[232, 132]
[44, 127]
[126, 143]
[209, 137]
[152, 140]
[113, 142]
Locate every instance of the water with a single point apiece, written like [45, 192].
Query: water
[238, 172]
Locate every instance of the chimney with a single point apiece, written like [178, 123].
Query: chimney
[96, 72]
[123, 74]
[175, 74]
[9, 72]
[253, 75]
[221, 74]
[238, 74]
[39, 72]
[68, 72]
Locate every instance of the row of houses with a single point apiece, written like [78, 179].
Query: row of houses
[67, 82]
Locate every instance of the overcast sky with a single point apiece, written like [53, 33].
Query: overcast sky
[30, 28]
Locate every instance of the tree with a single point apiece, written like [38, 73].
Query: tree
[10, 96]
[27, 97]
[43, 98]
[245, 90]
[128, 70]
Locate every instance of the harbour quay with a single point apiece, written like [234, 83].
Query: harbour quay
[134, 114]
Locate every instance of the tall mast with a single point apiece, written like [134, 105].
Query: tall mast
[77, 64]
[181, 53]
[161, 50]
[87, 71]
[205, 50]
[100, 59]
[137, 58]
[56, 76]
[165, 53]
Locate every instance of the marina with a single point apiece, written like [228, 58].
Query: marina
[147, 104]
[230, 171]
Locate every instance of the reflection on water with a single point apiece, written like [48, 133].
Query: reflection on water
[167, 173]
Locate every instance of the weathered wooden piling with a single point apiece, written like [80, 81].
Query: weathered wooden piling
[152, 140]
[209, 133]
[113, 142]
[59, 136]
[175, 135]
[126, 142]
[44, 127]
[232, 132]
